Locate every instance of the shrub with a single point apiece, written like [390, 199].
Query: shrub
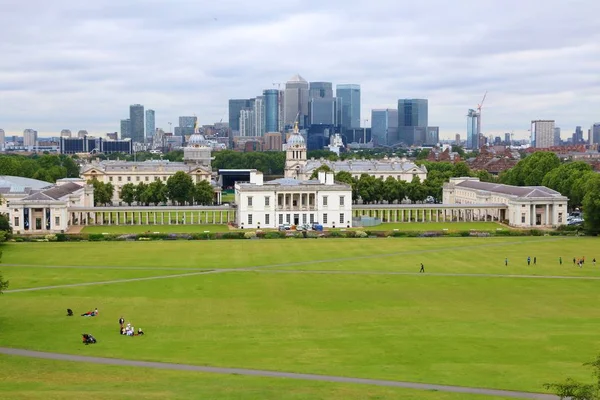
[249, 235]
[536, 232]
[336, 234]
[464, 233]
[360, 234]
[143, 239]
[274, 235]
[96, 237]
[50, 238]
[61, 237]
[232, 235]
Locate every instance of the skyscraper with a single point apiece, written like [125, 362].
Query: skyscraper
[235, 106]
[350, 105]
[578, 135]
[507, 137]
[271, 100]
[187, 122]
[2, 140]
[321, 104]
[323, 90]
[542, 133]
[136, 117]
[296, 101]
[557, 136]
[412, 114]
[150, 123]
[247, 122]
[472, 129]
[29, 138]
[384, 126]
[595, 134]
[125, 129]
[259, 116]
[65, 133]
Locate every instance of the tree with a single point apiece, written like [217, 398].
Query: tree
[459, 150]
[390, 189]
[423, 154]
[180, 188]
[346, 177]
[461, 169]
[531, 170]
[157, 193]
[574, 390]
[366, 188]
[204, 193]
[591, 205]
[3, 284]
[128, 193]
[564, 179]
[141, 193]
[322, 168]
[415, 191]
[103, 192]
[326, 154]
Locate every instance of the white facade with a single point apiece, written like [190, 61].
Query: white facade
[259, 116]
[29, 137]
[247, 122]
[528, 206]
[2, 140]
[290, 201]
[542, 133]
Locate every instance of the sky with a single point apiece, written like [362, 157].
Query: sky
[79, 65]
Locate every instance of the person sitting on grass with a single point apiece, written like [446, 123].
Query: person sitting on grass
[140, 332]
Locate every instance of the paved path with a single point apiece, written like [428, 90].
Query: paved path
[274, 374]
[148, 278]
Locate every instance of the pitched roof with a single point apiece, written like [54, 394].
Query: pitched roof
[366, 166]
[60, 191]
[519, 191]
[39, 196]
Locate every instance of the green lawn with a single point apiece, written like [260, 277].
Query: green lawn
[506, 333]
[123, 229]
[162, 217]
[438, 226]
[26, 378]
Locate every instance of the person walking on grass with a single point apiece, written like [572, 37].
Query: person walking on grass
[528, 260]
[534, 260]
[560, 260]
[422, 268]
[573, 261]
[506, 262]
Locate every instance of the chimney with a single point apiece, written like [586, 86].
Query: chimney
[329, 178]
[256, 177]
[322, 176]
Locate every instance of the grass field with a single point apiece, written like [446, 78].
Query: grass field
[123, 229]
[290, 315]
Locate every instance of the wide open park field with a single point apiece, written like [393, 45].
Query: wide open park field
[354, 308]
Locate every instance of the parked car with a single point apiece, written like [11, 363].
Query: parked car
[285, 227]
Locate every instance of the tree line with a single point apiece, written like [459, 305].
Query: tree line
[45, 167]
[179, 189]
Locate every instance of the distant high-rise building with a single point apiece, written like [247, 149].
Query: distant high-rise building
[557, 136]
[384, 126]
[473, 130]
[321, 111]
[507, 137]
[247, 122]
[321, 90]
[457, 139]
[542, 133]
[412, 113]
[2, 140]
[259, 116]
[235, 107]
[271, 101]
[65, 133]
[82, 133]
[578, 135]
[125, 129]
[136, 117]
[273, 141]
[296, 101]
[29, 137]
[595, 134]
[350, 105]
[186, 126]
[150, 123]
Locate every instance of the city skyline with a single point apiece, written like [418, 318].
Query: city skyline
[532, 71]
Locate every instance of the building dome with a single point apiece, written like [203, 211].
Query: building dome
[196, 140]
[296, 140]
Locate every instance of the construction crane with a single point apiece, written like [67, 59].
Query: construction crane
[479, 107]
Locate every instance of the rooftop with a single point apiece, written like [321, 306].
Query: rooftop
[365, 165]
[18, 184]
[519, 191]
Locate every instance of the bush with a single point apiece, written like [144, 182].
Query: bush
[249, 235]
[51, 238]
[61, 237]
[96, 237]
[360, 234]
[336, 234]
[464, 233]
[274, 235]
[232, 235]
[536, 232]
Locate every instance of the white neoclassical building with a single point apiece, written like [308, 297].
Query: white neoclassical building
[291, 201]
[527, 206]
[298, 167]
[37, 207]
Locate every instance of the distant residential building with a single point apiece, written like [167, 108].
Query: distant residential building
[273, 141]
[247, 119]
[150, 123]
[65, 133]
[384, 126]
[557, 136]
[271, 105]
[296, 101]
[473, 130]
[2, 140]
[542, 133]
[350, 105]
[29, 137]
[125, 129]
[259, 116]
[136, 117]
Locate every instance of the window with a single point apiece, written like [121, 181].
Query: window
[267, 201]
[57, 221]
[146, 179]
[280, 219]
[16, 221]
[164, 178]
[304, 218]
[522, 218]
[249, 219]
[341, 200]
[287, 218]
[312, 218]
[110, 179]
[128, 179]
[137, 178]
[560, 218]
[267, 219]
[120, 179]
[324, 200]
[249, 201]
[342, 218]
[324, 218]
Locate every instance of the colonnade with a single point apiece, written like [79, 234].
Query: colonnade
[151, 217]
[438, 214]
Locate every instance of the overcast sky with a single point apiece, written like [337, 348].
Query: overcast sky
[80, 64]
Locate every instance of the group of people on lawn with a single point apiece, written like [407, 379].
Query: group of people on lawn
[128, 329]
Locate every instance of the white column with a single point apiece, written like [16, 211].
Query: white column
[547, 217]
